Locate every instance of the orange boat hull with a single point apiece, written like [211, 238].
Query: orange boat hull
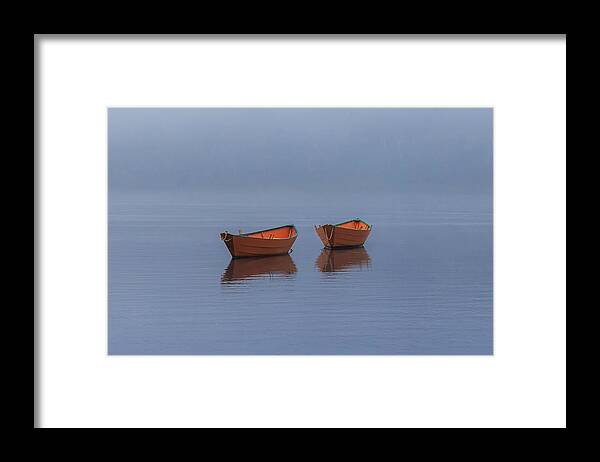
[276, 241]
[352, 233]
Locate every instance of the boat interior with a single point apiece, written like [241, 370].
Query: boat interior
[285, 232]
[354, 224]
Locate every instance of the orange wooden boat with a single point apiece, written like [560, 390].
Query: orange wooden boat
[273, 241]
[352, 233]
[241, 269]
[343, 260]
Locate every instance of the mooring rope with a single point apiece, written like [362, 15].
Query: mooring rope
[332, 230]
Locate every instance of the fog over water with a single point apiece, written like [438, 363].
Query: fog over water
[401, 150]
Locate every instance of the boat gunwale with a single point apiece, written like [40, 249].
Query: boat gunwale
[349, 221]
[264, 230]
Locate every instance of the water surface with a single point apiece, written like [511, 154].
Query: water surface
[421, 285]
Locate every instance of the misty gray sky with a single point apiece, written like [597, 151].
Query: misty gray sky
[396, 150]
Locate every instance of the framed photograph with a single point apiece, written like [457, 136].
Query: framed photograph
[244, 231]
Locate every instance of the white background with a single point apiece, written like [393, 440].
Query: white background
[523, 384]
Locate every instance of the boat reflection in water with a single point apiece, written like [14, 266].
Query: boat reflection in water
[244, 269]
[343, 260]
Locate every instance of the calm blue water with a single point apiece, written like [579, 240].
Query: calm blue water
[421, 285]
